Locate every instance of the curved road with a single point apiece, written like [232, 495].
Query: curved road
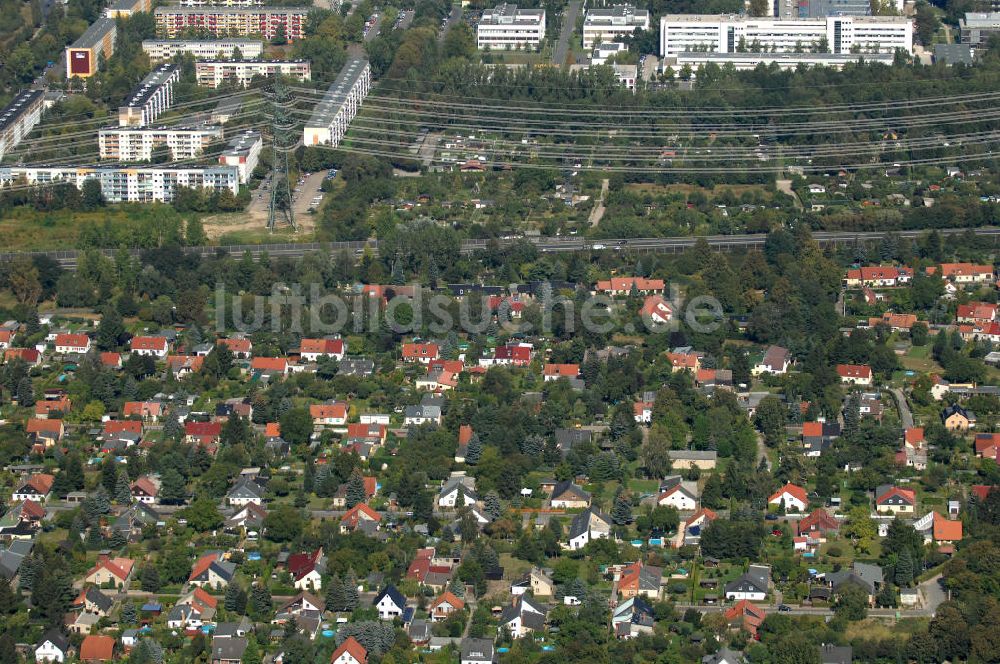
[68, 258]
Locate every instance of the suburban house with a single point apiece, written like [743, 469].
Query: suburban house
[46, 432]
[639, 579]
[421, 414]
[820, 522]
[642, 411]
[270, 367]
[523, 616]
[244, 492]
[97, 648]
[202, 433]
[145, 490]
[537, 581]
[72, 344]
[150, 411]
[349, 652]
[185, 365]
[878, 276]
[701, 459]
[866, 576]
[987, 445]
[328, 414]
[687, 360]
[791, 497]
[855, 374]
[212, 571]
[449, 495]
[946, 531]
[477, 651]
[895, 500]
[956, 418]
[361, 516]
[656, 309]
[587, 525]
[307, 569]
[150, 346]
[567, 495]
[35, 488]
[310, 350]
[776, 361]
[682, 495]
[240, 347]
[115, 572]
[390, 603]
[422, 352]
[964, 273]
[633, 617]
[445, 605]
[54, 647]
[752, 585]
[817, 437]
[745, 615]
[620, 286]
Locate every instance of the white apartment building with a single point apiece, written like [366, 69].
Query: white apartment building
[121, 184]
[138, 143]
[507, 27]
[749, 61]
[243, 152]
[19, 117]
[333, 115]
[153, 96]
[683, 33]
[159, 50]
[612, 23]
[214, 73]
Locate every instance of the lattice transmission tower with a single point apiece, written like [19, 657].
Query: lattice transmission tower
[284, 139]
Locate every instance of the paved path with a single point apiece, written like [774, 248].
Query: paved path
[454, 17]
[598, 212]
[568, 25]
[905, 416]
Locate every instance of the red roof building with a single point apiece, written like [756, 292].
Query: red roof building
[349, 652]
[625, 285]
[97, 648]
[860, 374]
[747, 615]
[422, 353]
[656, 309]
[556, 371]
[72, 343]
[311, 350]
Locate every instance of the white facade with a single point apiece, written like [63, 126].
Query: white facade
[19, 117]
[682, 33]
[243, 153]
[333, 115]
[123, 184]
[387, 609]
[49, 652]
[159, 50]
[507, 27]
[749, 61]
[612, 23]
[214, 73]
[137, 144]
[153, 96]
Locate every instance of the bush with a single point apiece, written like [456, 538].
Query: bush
[835, 551]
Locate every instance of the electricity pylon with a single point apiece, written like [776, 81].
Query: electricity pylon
[283, 141]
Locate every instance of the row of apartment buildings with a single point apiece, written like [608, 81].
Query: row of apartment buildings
[153, 96]
[507, 26]
[268, 22]
[129, 184]
[332, 116]
[160, 50]
[19, 117]
[84, 56]
[213, 73]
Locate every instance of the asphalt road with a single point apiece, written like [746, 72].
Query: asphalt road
[565, 32]
[454, 17]
[67, 258]
[905, 416]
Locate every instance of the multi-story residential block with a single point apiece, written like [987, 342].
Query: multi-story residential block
[154, 95]
[333, 115]
[268, 22]
[121, 184]
[138, 143]
[507, 27]
[125, 8]
[159, 50]
[612, 23]
[214, 73]
[683, 33]
[220, 3]
[243, 152]
[84, 55]
[19, 117]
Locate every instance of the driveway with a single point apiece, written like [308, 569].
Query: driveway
[905, 416]
[565, 32]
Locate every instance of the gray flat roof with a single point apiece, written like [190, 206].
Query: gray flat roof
[150, 85]
[18, 106]
[982, 20]
[241, 143]
[509, 14]
[336, 94]
[95, 33]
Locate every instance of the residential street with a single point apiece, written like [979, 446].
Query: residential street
[568, 25]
